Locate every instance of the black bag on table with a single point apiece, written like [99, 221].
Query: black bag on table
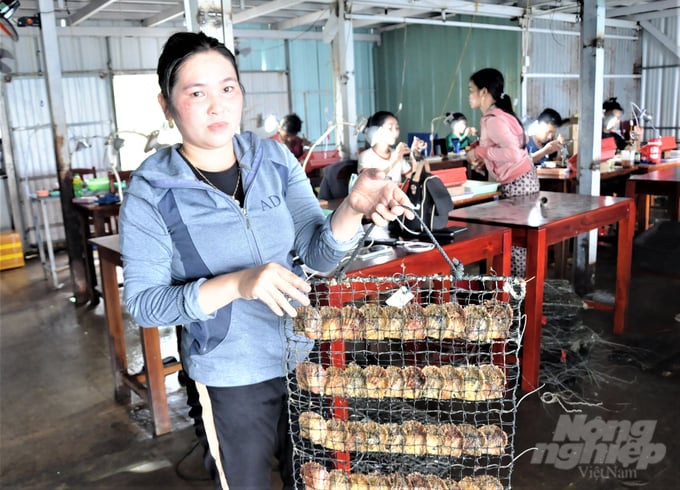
[431, 201]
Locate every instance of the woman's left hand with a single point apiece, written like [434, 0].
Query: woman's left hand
[378, 198]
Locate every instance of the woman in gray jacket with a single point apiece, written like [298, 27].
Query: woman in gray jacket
[209, 231]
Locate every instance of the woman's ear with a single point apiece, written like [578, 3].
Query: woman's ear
[164, 106]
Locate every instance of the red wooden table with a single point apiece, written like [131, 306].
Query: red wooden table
[476, 243]
[659, 183]
[150, 382]
[536, 226]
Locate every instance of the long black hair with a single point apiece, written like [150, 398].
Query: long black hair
[611, 104]
[492, 80]
[178, 49]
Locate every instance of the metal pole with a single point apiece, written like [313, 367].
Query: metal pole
[74, 242]
[342, 48]
[590, 133]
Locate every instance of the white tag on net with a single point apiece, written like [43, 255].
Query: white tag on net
[400, 298]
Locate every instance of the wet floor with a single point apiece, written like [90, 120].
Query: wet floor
[60, 427]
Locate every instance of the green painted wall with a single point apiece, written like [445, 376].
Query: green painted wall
[426, 69]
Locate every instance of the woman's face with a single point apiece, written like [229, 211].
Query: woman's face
[459, 126]
[207, 101]
[614, 120]
[474, 96]
[388, 133]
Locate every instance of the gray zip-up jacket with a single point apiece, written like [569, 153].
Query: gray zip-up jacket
[177, 232]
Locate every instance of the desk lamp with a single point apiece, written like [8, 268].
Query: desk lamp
[640, 115]
[358, 126]
[434, 120]
[114, 143]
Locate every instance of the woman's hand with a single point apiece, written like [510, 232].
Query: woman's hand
[401, 151]
[378, 198]
[275, 286]
[470, 131]
[639, 132]
[477, 164]
[418, 146]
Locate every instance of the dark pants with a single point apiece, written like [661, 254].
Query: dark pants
[196, 413]
[252, 428]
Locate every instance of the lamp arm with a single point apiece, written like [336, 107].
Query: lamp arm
[359, 124]
[316, 143]
[435, 119]
[636, 111]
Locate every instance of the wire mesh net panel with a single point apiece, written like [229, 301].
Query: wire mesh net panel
[406, 382]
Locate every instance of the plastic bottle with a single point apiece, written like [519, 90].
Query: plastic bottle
[77, 186]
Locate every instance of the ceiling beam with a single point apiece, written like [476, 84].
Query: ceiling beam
[642, 8]
[669, 13]
[357, 24]
[665, 41]
[265, 9]
[460, 7]
[303, 20]
[164, 16]
[166, 32]
[91, 9]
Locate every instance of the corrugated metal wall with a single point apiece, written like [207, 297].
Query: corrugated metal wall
[88, 115]
[661, 78]
[312, 83]
[552, 74]
[424, 70]
[551, 69]
[89, 110]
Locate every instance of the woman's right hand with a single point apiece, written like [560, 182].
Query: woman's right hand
[401, 151]
[470, 131]
[275, 286]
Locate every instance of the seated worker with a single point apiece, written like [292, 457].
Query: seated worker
[542, 144]
[382, 132]
[288, 130]
[461, 135]
[611, 124]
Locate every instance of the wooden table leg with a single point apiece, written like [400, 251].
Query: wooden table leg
[501, 262]
[88, 256]
[155, 380]
[535, 273]
[114, 323]
[624, 257]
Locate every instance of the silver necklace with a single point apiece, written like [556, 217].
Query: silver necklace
[207, 181]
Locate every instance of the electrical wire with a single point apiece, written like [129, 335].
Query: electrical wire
[178, 470]
[461, 55]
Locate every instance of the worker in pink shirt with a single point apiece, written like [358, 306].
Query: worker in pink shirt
[502, 145]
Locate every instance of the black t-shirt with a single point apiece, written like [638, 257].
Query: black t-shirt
[225, 180]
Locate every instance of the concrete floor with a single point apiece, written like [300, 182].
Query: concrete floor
[61, 429]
